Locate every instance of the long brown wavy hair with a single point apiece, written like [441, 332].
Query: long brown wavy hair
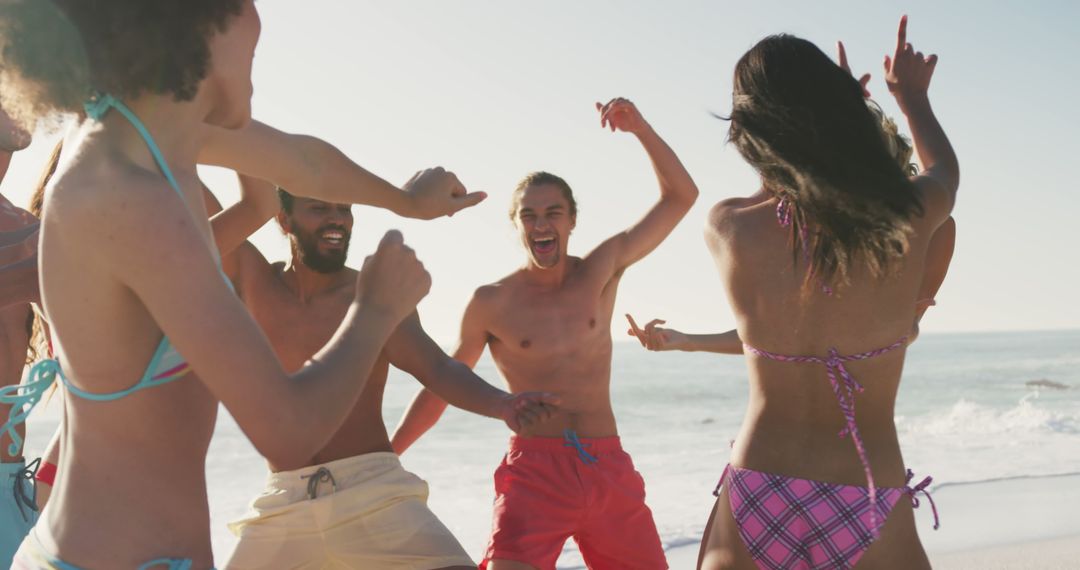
[802, 122]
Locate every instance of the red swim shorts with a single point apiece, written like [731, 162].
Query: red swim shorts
[548, 489]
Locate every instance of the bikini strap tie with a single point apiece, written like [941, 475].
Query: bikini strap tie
[23, 397]
[720, 483]
[98, 105]
[921, 488]
[845, 388]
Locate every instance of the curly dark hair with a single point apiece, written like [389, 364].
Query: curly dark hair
[55, 53]
[802, 123]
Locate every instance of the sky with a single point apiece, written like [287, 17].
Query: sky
[494, 90]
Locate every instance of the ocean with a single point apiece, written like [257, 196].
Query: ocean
[967, 414]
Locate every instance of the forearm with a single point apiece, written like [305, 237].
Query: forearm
[721, 343]
[421, 415]
[234, 225]
[459, 386]
[932, 146]
[343, 181]
[304, 165]
[19, 282]
[675, 182]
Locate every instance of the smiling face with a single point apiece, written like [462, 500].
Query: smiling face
[319, 233]
[544, 219]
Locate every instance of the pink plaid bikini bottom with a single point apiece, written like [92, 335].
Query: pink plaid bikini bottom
[790, 523]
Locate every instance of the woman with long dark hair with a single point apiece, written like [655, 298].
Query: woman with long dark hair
[823, 266]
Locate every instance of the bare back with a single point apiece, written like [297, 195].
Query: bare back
[793, 417]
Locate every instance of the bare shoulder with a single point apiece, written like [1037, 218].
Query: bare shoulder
[937, 201]
[490, 294]
[114, 203]
[726, 216]
[487, 299]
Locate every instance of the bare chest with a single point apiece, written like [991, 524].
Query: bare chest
[296, 329]
[550, 325]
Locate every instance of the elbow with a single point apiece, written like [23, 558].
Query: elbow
[692, 192]
[692, 195]
[312, 161]
[288, 442]
[685, 197]
[432, 404]
[288, 453]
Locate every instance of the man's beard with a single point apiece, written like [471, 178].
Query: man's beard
[306, 248]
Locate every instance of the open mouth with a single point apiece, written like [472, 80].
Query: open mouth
[544, 245]
[333, 238]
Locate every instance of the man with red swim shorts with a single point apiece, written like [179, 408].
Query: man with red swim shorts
[548, 326]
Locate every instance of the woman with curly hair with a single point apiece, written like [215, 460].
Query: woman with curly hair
[130, 276]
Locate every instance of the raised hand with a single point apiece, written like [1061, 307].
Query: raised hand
[623, 115]
[523, 412]
[908, 72]
[655, 338]
[435, 192]
[392, 279]
[842, 57]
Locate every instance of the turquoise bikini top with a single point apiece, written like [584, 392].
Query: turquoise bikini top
[165, 366]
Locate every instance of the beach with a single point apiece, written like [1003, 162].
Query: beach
[1005, 455]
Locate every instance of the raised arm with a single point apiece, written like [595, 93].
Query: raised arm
[938, 258]
[427, 407]
[908, 74]
[677, 190]
[235, 224]
[655, 338]
[310, 167]
[287, 417]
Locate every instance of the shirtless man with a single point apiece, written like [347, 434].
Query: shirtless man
[17, 511]
[548, 326]
[353, 503]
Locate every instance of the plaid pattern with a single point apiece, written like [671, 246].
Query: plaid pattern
[789, 523]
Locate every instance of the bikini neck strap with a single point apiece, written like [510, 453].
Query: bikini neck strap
[99, 105]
